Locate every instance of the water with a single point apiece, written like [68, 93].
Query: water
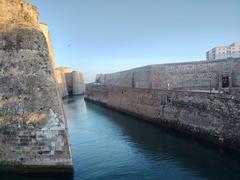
[109, 145]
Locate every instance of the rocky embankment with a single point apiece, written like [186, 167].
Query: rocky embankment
[33, 128]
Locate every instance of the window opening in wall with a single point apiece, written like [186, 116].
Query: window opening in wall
[168, 99]
[225, 81]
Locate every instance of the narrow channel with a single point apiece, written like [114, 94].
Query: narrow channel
[109, 145]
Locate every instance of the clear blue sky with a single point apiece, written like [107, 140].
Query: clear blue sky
[101, 36]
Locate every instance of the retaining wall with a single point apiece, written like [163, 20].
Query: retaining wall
[212, 117]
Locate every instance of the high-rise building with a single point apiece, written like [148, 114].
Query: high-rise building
[224, 52]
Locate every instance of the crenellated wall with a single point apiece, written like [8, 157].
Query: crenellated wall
[33, 129]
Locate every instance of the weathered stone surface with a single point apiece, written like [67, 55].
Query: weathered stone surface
[201, 75]
[70, 82]
[17, 14]
[78, 83]
[33, 129]
[61, 82]
[47, 35]
[212, 117]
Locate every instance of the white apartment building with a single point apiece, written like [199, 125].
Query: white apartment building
[224, 52]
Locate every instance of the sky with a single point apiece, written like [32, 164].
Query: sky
[105, 36]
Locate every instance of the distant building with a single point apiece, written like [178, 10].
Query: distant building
[224, 52]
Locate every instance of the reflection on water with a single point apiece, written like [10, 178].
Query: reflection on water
[35, 177]
[109, 145]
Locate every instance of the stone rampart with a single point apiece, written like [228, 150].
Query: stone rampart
[47, 35]
[78, 83]
[212, 117]
[69, 82]
[33, 128]
[18, 14]
[200, 75]
[61, 83]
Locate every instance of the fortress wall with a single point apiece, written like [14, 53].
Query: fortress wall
[33, 129]
[61, 83]
[211, 117]
[18, 13]
[70, 82]
[142, 77]
[78, 83]
[139, 77]
[47, 35]
[195, 75]
[200, 75]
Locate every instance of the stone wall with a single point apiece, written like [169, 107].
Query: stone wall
[33, 129]
[47, 35]
[201, 75]
[18, 13]
[69, 82]
[61, 83]
[212, 117]
[78, 83]
[23, 15]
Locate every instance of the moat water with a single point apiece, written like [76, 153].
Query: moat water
[110, 145]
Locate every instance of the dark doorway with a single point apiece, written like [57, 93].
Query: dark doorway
[225, 81]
